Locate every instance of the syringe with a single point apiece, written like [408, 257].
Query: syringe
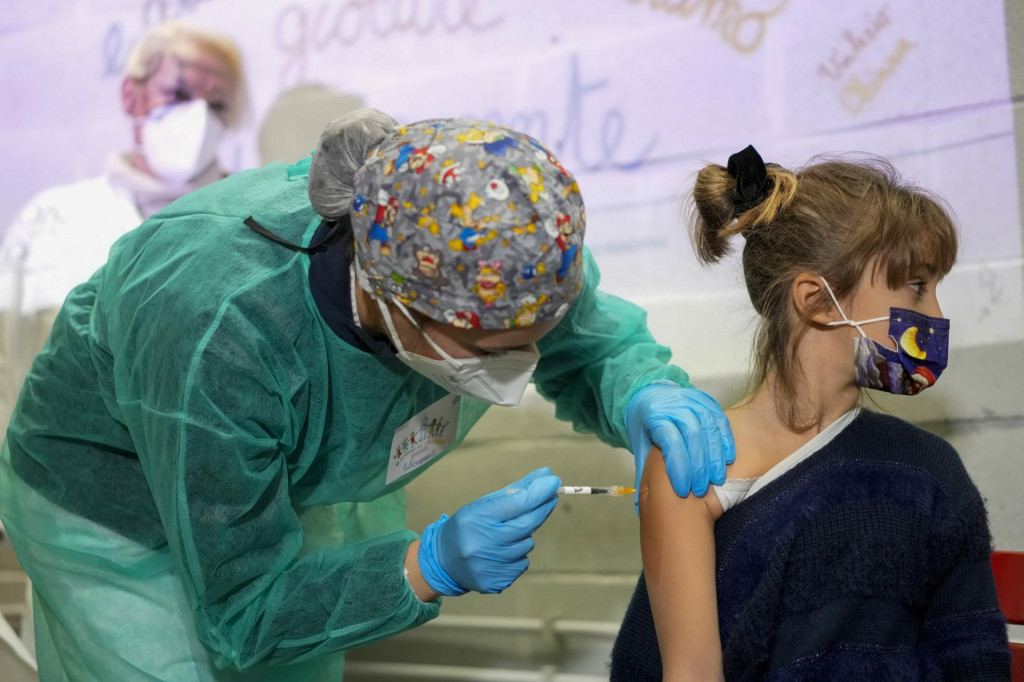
[611, 491]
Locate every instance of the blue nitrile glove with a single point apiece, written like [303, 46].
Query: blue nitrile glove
[691, 430]
[483, 547]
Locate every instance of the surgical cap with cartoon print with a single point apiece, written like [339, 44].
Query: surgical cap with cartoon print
[469, 223]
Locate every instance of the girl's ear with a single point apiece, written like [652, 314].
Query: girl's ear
[811, 300]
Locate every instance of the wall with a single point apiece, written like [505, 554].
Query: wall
[632, 95]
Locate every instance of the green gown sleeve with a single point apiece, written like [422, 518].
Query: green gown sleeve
[214, 424]
[597, 358]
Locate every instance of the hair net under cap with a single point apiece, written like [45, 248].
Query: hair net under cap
[469, 223]
[344, 144]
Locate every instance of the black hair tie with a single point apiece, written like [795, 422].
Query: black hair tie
[752, 183]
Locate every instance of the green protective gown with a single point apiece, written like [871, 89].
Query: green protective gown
[194, 475]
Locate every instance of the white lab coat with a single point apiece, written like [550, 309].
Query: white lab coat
[63, 234]
[57, 241]
[62, 237]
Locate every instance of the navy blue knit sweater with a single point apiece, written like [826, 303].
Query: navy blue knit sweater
[869, 560]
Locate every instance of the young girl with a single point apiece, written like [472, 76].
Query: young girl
[861, 548]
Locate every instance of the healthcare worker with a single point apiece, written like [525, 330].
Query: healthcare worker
[203, 476]
[182, 88]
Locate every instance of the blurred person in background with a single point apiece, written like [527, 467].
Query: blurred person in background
[182, 88]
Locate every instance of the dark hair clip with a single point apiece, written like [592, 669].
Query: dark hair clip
[752, 183]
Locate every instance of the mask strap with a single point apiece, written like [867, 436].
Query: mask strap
[385, 313]
[433, 344]
[352, 295]
[389, 323]
[393, 333]
[847, 321]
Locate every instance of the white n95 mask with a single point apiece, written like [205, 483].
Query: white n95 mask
[496, 378]
[180, 141]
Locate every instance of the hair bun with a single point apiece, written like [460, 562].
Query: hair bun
[344, 145]
[752, 182]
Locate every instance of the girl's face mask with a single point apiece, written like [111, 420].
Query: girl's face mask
[922, 346]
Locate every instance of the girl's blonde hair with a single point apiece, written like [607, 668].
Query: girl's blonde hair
[831, 218]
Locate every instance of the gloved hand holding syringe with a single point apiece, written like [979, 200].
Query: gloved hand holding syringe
[483, 546]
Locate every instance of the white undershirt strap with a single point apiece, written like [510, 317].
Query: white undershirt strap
[806, 450]
[735, 490]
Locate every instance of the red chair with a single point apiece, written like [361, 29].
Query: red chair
[1009, 570]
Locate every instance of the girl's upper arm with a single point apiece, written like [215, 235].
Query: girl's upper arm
[678, 546]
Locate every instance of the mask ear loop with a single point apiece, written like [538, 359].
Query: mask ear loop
[385, 313]
[455, 364]
[352, 295]
[847, 321]
[390, 324]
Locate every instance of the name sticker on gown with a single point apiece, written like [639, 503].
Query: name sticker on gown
[423, 437]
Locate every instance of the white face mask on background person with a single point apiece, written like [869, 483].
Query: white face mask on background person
[180, 141]
[496, 378]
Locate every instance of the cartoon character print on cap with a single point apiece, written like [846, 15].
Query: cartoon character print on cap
[494, 141]
[451, 172]
[400, 289]
[410, 158]
[542, 153]
[489, 286]
[533, 176]
[428, 262]
[529, 307]
[384, 218]
[359, 206]
[463, 320]
[565, 237]
[472, 233]
[497, 189]
[471, 224]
